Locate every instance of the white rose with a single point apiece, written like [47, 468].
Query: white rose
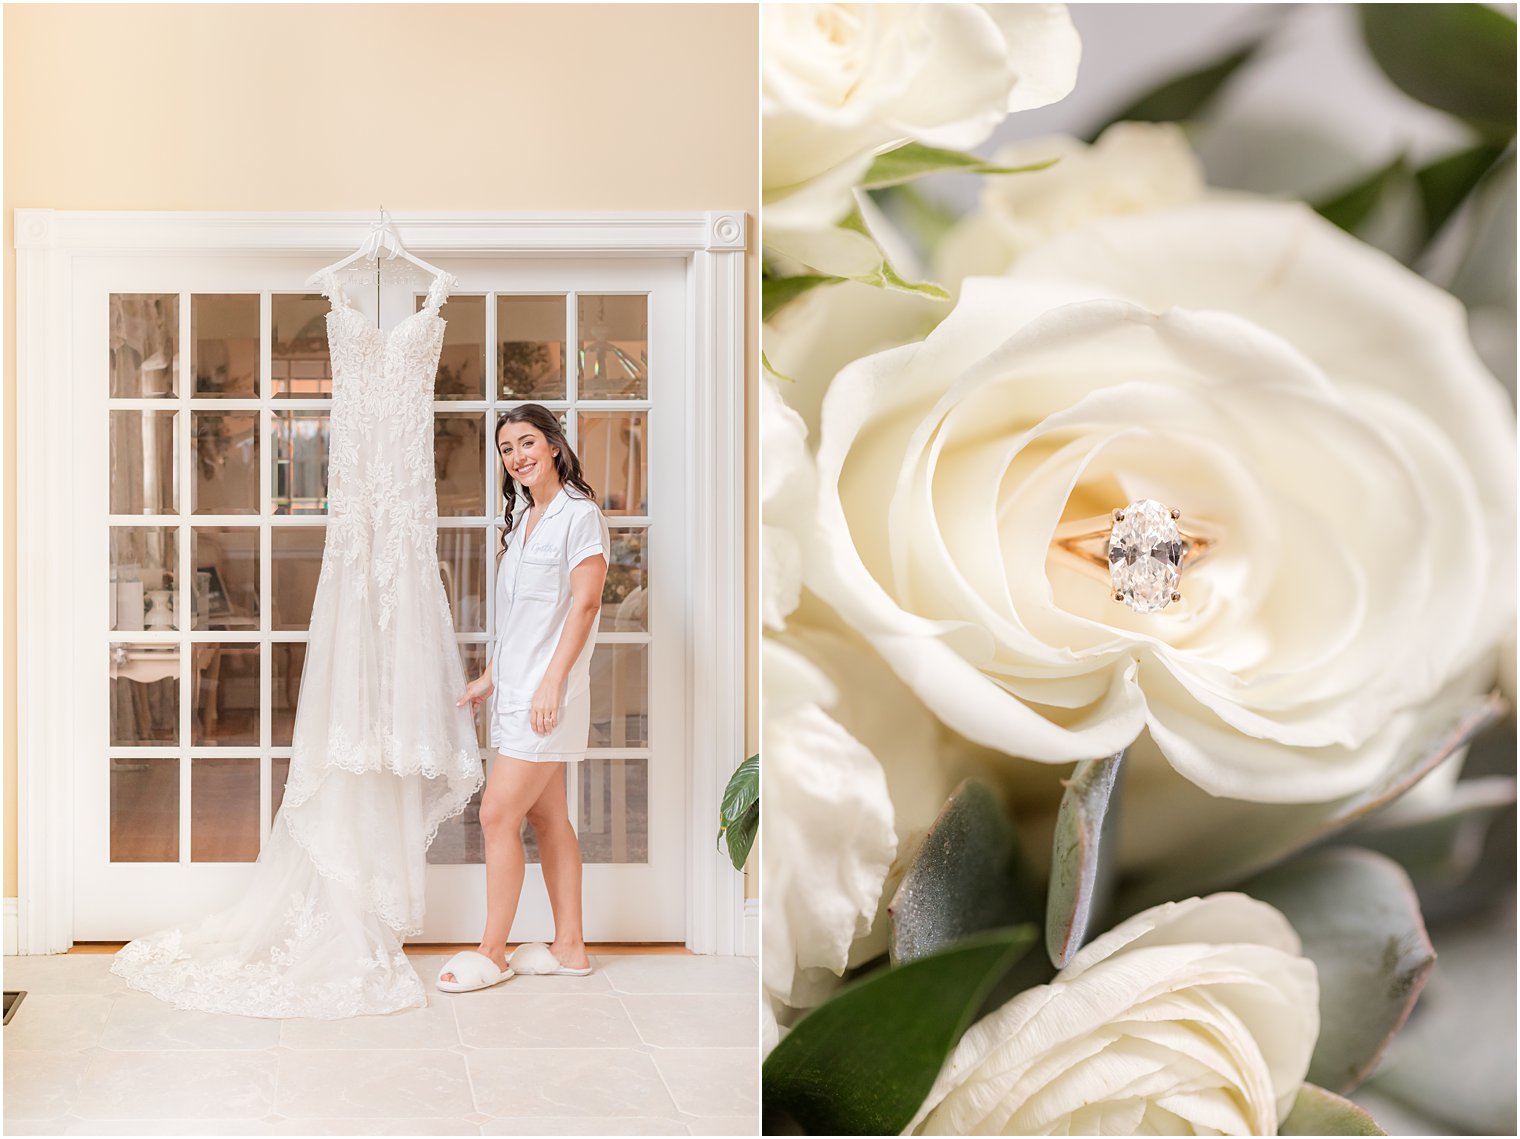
[841, 82]
[787, 502]
[1194, 1017]
[1132, 168]
[1336, 427]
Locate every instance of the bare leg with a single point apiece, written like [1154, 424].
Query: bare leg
[514, 785]
[560, 852]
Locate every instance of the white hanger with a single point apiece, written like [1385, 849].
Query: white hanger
[382, 235]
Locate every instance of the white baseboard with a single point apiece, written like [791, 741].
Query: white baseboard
[10, 927]
[751, 927]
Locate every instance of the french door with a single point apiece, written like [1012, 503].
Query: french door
[203, 395]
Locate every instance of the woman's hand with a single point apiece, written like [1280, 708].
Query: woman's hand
[544, 716]
[476, 691]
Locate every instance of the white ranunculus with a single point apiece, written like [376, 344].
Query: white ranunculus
[1248, 364]
[841, 82]
[1194, 1017]
[1132, 168]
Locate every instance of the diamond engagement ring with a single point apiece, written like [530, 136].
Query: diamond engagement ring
[1141, 549]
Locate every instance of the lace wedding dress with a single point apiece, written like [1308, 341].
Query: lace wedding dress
[380, 754]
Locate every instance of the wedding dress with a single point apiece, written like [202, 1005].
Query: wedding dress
[381, 754]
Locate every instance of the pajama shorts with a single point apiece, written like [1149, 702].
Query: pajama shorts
[512, 733]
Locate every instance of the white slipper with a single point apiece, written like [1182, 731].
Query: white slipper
[472, 970]
[536, 959]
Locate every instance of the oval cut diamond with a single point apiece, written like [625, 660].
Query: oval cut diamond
[1144, 553]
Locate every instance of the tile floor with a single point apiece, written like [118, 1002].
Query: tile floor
[646, 1045]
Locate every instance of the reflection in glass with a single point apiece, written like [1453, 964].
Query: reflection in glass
[614, 824]
[300, 462]
[299, 362]
[295, 558]
[620, 696]
[225, 688]
[144, 471]
[279, 771]
[625, 593]
[459, 462]
[144, 330]
[224, 337]
[530, 354]
[144, 564]
[462, 565]
[225, 451]
[288, 657]
[224, 810]
[614, 346]
[144, 694]
[144, 810]
[613, 450]
[462, 363]
[474, 654]
[224, 562]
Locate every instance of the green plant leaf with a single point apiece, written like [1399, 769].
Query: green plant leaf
[739, 835]
[775, 292]
[1446, 183]
[1350, 206]
[743, 789]
[1184, 98]
[1360, 922]
[862, 1062]
[919, 217]
[1275, 831]
[968, 876]
[1439, 844]
[1081, 877]
[915, 160]
[1458, 58]
[1318, 1112]
[766, 364]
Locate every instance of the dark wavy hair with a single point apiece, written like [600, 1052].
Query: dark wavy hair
[565, 462]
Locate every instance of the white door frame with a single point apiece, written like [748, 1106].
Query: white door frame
[48, 241]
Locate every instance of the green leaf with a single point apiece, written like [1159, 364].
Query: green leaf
[740, 836]
[968, 876]
[1439, 844]
[1081, 878]
[778, 291]
[863, 1061]
[1446, 183]
[1275, 831]
[1349, 207]
[919, 217]
[1360, 923]
[1458, 58]
[739, 814]
[1184, 98]
[886, 276]
[1318, 1112]
[915, 160]
[766, 364]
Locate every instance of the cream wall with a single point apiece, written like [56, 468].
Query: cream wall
[345, 107]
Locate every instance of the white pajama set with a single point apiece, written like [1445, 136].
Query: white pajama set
[532, 604]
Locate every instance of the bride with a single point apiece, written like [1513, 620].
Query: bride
[549, 579]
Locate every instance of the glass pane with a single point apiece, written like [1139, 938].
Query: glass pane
[226, 458]
[224, 810]
[224, 334]
[299, 361]
[614, 346]
[460, 839]
[459, 456]
[295, 564]
[144, 810]
[620, 696]
[144, 694]
[279, 771]
[143, 463]
[530, 354]
[462, 363]
[625, 594]
[613, 453]
[144, 562]
[462, 565]
[614, 824]
[144, 334]
[300, 462]
[225, 562]
[226, 688]
[288, 658]
[474, 654]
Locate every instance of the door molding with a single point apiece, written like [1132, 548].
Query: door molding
[47, 243]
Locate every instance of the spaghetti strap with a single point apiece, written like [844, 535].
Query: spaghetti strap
[332, 289]
[438, 291]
